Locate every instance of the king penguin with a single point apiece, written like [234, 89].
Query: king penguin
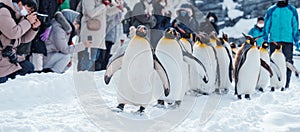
[247, 67]
[207, 55]
[264, 77]
[224, 66]
[279, 66]
[136, 66]
[173, 57]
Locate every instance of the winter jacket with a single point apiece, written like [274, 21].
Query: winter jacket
[140, 17]
[58, 41]
[97, 10]
[256, 32]
[281, 24]
[111, 28]
[65, 5]
[74, 4]
[22, 32]
[208, 27]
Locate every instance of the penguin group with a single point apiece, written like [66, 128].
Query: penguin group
[178, 66]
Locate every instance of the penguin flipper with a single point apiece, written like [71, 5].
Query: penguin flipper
[240, 60]
[114, 66]
[276, 69]
[162, 74]
[189, 57]
[266, 66]
[230, 64]
[292, 68]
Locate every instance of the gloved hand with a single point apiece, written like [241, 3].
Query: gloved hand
[44, 36]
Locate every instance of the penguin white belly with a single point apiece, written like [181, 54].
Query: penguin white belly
[134, 85]
[264, 75]
[279, 60]
[207, 56]
[248, 73]
[224, 62]
[170, 55]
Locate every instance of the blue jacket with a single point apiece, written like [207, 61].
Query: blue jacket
[256, 32]
[281, 24]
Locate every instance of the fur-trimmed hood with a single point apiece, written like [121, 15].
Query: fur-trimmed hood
[59, 17]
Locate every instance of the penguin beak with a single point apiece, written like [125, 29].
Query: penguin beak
[244, 35]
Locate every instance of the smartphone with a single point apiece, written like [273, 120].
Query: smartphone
[89, 38]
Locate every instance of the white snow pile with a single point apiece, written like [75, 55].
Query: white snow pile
[242, 26]
[232, 12]
[50, 102]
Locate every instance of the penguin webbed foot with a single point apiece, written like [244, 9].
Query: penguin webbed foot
[239, 97]
[140, 112]
[247, 96]
[119, 108]
[272, 89]
[261, 89]
[160, 104]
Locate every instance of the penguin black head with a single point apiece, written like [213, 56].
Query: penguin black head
[170, 33]
[141, 31]
[225, 36]
[277, 46]
[265, 45]
[249, 39]
[213, 35]
[232, 45]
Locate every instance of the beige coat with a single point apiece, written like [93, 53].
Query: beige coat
[10, 30]
[97, 10]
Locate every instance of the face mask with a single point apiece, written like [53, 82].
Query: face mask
[260, 25]
[211, 19]
[183, 13]
[24, 11]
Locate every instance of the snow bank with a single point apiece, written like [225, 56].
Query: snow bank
[242, 26]
[50, 102]
[232, 12]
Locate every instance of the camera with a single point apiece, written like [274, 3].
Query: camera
[42, 17]
[8, 52]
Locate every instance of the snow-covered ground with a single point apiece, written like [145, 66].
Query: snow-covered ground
[68, 102]
[80, 101]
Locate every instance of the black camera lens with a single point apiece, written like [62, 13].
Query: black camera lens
[8, 52]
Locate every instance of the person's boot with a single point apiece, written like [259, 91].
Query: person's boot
[282, 89]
